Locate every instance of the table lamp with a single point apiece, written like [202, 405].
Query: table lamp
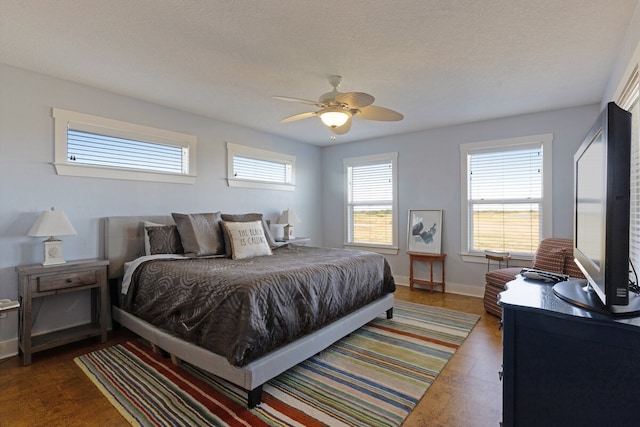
[288, 217]
[52, 223]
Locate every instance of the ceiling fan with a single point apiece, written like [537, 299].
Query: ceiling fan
[337, 108]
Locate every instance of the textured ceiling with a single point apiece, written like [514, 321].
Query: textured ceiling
[439, 62]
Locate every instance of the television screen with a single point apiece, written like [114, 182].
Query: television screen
[602, 166]
[590, 165]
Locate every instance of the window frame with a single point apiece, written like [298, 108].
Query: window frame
[546, 226]
[392, 157]
[259, 154]
[65, 119]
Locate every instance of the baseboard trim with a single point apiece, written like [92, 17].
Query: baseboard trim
[450, 288]
[10, 348]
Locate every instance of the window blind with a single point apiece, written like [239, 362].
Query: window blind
[631, 102]
[108, 151]
[261, 170]
[252, 167]
[371, 203]
[505, 198]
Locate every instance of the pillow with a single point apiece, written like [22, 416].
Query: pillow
[570, 267]
[145, 224]
[247, 239]
[551, 259]
[200, 234]
[248, 218]
[163, 239]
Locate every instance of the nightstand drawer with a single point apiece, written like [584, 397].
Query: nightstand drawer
[71, 280]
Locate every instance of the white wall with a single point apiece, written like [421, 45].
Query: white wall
[29, 184]
[429, 178]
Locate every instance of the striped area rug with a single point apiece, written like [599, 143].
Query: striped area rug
[373, 377]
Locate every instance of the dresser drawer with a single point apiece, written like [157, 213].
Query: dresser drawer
[70, 280]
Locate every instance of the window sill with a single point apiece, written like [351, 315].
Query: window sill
[263, 185]
[385, 250]
[114, 173]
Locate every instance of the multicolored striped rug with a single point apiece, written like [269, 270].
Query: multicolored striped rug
[374, 377]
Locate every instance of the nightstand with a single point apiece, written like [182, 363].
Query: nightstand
[41, 281]
[298, 241]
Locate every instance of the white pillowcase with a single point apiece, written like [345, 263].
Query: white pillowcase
[247, 239]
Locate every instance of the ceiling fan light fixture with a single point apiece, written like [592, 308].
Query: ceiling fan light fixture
[334, 116]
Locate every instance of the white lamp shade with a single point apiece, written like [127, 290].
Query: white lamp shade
[334, 117]
[52, 223]
[288, 217]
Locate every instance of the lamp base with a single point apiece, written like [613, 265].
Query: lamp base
[288, 232]
[53, 252]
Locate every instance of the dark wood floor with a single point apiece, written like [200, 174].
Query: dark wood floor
[53, 391]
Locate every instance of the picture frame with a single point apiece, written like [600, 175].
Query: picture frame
[424, 231]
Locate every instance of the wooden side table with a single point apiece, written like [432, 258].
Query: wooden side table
[40, 281]
[429, 258]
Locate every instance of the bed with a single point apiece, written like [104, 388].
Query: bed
[263, 350]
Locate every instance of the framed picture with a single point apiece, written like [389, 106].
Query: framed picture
[424, 233]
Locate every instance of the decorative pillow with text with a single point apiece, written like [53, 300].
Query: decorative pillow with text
[248, 217]
[247, 239]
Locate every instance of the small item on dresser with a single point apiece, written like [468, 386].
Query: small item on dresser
[546, 276]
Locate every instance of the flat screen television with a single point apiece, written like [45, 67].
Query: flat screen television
[602, 167]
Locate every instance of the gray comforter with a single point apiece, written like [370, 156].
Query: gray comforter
[242, 309]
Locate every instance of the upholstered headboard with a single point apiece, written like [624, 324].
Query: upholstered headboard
[124, 239]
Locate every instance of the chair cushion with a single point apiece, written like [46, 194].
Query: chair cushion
[570, 266]
[551, 259]
[548, 256]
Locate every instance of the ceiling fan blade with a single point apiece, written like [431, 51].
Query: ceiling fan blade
[299, 116]
[373, 112]
[355, 100]
[341, 130]
[300, 100]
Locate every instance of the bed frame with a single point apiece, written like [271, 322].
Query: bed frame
[124, 242]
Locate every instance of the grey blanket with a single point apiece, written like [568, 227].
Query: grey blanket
[243, 309]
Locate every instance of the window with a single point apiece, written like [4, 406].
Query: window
[255, 168]
[506, 195]
[630, 100]
[94, 146]
[371, 205]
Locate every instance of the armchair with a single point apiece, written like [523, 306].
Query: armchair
[553, 254]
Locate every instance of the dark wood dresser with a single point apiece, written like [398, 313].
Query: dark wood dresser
[565, 366]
